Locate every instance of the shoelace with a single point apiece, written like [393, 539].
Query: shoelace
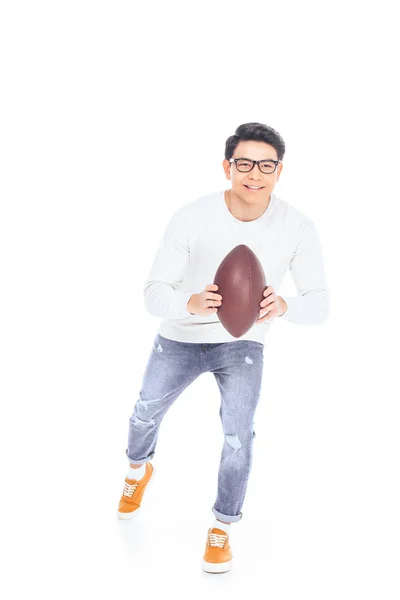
[217, 539]
[129, 488]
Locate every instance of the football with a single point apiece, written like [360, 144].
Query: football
[241, 282]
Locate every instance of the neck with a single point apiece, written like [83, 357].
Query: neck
[242, 210]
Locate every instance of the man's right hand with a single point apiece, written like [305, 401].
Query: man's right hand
[205, 303]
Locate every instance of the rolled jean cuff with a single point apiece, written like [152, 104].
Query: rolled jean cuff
[227, 518]
[139, 462]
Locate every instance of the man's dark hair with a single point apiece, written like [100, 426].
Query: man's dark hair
[257, 132]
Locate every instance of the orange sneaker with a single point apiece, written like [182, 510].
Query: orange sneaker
[129, 504]
[218, 555]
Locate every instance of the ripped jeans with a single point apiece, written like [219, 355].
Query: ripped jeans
[172, 367]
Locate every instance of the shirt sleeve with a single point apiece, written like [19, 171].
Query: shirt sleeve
[311, 306]
[161, 297]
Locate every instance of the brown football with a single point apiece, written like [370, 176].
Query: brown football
[241, 282]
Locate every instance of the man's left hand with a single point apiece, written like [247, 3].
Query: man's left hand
[272, 305]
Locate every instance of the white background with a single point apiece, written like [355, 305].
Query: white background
[113, 115]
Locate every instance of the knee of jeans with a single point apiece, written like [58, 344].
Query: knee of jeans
[141, 409]
[136, 421]
[233, 441]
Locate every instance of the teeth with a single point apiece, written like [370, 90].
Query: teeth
[254, 187]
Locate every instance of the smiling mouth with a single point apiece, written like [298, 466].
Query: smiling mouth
[253, 189]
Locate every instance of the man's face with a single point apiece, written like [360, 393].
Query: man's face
[254, 151]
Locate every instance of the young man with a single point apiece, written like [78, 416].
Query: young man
[191, 340]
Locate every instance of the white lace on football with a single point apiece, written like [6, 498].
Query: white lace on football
[216, 539]
[129, 488]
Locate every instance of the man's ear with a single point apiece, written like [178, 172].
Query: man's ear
[227, 168]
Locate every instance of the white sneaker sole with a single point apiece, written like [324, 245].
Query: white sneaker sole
[217, 567]
[132, 515]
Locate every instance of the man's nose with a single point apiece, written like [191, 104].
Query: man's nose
[255, 173]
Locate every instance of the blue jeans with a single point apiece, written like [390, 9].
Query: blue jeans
[172, 367]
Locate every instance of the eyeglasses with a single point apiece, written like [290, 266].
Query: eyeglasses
[244, 165]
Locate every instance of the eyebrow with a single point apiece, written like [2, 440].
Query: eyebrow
[261, 159]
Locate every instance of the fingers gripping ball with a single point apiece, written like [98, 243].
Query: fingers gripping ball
[241, 283]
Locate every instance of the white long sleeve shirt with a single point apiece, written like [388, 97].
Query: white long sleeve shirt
[196, 240]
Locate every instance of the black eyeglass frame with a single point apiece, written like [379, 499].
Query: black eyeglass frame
[255, 162]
